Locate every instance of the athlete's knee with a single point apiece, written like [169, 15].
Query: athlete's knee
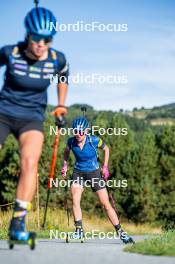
[76, 190]
[106, 205]
[0, 146]
[28, 163]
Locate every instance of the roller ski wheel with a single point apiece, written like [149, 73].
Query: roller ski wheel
[32, 241]
[126, 239]
[75, 237]
[67, 238]
[129, 241]
[23, 238]
[11, 245]
[71, 240]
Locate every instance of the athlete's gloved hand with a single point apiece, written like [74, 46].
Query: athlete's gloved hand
[59, 113]
[60, 121]
[105, 172]
[64, 170]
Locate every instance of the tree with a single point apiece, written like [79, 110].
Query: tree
[166, 143]
[140, 168]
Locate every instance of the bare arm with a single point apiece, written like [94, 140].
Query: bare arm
[106, 157]
[66, 155]
[62, 93]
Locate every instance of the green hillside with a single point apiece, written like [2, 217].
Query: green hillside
[144, 157]
[161, 115]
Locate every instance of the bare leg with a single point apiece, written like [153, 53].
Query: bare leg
[30, 150]
[76, 191]
[104, 200]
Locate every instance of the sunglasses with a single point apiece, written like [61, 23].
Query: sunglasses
[79, 132]
[36, 39]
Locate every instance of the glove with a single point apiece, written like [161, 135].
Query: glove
[64, 170]
[60, 121]
[59, 110]
[59, 113]
[105, 172]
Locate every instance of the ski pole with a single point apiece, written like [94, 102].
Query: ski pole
[111, 198]
[51, 175]
[66, 205]
[58, 113]
[84, 110]
[36, 2]
[113, 202]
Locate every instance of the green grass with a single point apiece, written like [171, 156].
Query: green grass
[57, 220]
[161, 245]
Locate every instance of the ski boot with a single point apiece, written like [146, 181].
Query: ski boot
[125, 238]
[17, 229]
[77, 236]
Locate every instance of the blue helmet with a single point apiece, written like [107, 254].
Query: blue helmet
[37, 22]
[80, 123]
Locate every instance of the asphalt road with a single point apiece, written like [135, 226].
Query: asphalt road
[91, 252]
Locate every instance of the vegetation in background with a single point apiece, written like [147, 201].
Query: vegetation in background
[145, 158]
[161, 245]
[57, 220]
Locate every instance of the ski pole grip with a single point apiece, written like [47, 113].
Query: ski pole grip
[60, 121]
[84, 110]
[60, 110]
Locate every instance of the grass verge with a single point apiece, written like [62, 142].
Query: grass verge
[57, 219]
[160, 245]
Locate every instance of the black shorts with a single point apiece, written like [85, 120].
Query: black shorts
[90, 178]
[15, 126]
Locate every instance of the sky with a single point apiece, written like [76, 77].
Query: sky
[144, 54]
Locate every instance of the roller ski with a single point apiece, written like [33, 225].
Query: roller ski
[77, 236]
[22, 238]
[125, 238]
[17, 230]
